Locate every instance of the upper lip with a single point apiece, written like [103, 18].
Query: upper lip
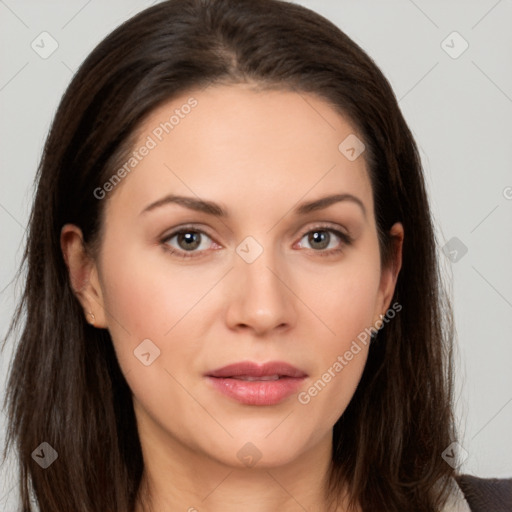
[251, 369]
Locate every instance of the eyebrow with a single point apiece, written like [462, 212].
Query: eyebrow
[211, 208]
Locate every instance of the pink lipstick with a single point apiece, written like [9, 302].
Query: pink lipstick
[257, 384]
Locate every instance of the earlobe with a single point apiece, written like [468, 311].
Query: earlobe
[83, 274]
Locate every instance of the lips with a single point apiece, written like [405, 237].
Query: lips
[257, 384]
[249, 369]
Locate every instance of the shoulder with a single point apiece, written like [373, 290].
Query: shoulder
[486, 494]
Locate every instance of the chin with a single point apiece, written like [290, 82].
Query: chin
[263, 451]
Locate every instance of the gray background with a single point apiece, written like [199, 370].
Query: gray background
[458, 106]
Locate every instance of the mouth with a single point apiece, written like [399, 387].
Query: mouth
[257, 384]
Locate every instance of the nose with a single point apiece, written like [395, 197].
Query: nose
[260, 296]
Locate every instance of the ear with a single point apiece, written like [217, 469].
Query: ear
[389, 274]
[83, 274]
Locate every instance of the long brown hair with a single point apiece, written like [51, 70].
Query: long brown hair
[65, 386]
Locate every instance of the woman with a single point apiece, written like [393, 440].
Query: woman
[232, 278]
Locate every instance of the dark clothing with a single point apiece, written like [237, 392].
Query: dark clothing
[486, 494]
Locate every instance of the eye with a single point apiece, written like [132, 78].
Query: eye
[326, 240]
[186, 242]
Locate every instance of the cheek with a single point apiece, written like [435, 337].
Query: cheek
[340, 358]
[154, 319]
[147, 295]
[342, 298]
[344, 305]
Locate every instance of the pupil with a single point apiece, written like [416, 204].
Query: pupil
[319, 237]
[191, 239]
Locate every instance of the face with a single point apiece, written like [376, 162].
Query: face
[248, 270]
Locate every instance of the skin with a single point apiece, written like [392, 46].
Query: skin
[257, 154]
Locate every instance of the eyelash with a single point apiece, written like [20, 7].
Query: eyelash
[344, 237]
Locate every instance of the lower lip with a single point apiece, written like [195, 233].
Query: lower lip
[257, 392]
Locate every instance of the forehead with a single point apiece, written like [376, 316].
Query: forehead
[235, 143]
